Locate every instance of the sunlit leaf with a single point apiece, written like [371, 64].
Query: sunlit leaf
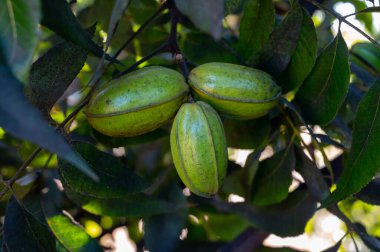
[325, 89]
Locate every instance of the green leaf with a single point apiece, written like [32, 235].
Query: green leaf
[277, 52]
[131, 205]
[303, 58]
[68, 233]
[206, 15]
[255, 27]
[58, 17]
[201, 48]
[325, 89]
[368, 55]
[52, 74]
[363, 160]
[293, 213]
[117, 12]
[250, 134]
[369, 9]
[19, 118]
[166, 227]
[130, 141]
[370, 193]
[273, 178]
[115, 179]
[22, 232]
[19, 33]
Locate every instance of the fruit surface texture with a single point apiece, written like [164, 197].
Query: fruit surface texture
[235, 91]
[138, 102]
[199, 148]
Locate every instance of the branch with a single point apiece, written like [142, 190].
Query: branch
[343, 19]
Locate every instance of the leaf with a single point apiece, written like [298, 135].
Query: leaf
[58, 17]
[363, 160]
[52, 74]
[115, 179]
[166, 227]
[19, 118]
[273, 178]
[334, 248]
[21, 187]
[206, 15]
[117, 12]
[115, 142]
[371, 242]
[312, 176]
[131, 205]
[255, 27]
[293, 213]
[249, 134]
[325, 89]
[201, 48]
[68, 233]
[370, 193]
[277, 52]
[22, 232]
[19, 34]
[303, 58]
[369, 10]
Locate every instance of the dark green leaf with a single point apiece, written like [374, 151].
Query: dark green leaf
[132, 205]
[166, 227]
[58, 17]
[367, 55]
[206, 15]
[370, 193]
[312, 176]
[371, 242]
[22, 232]
[277, 52]
[52, 73]
[115, 179]
[293, 213]
[255, 27]
[200, 48]
[303, 58]
[250, 134]
[273, 178]
[129, 141]
[325, 89]
[21, 187]
[363, 160]
[21, 119]
[19, 33]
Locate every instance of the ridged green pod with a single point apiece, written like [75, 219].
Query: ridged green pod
[138, 102]
[235, 91]
[199, 148]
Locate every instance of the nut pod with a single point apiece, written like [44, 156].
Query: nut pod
[236, 91]
[199, 148]
[137, 103]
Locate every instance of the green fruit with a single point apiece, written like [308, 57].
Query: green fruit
[138, 102]
[236, 91]
[199, 148]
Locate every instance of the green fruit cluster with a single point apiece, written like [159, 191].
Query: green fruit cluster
[147, 98]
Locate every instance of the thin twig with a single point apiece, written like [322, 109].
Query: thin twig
[163, 7]
[344, 20]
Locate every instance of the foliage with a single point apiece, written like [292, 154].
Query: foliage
[58, 174]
